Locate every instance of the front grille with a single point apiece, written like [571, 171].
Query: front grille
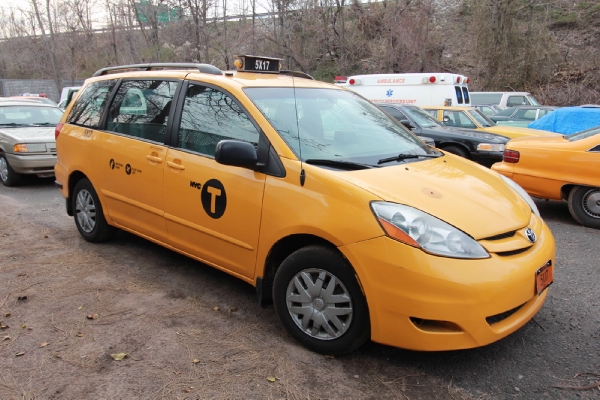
[513, 252]
[494, 319]
[501, 236]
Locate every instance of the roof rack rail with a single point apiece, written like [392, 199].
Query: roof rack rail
[205, 68]
[296, 74]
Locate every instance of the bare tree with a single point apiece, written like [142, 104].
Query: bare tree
[50, 42]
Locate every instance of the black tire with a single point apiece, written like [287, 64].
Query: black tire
[88, 213]
[341, 298]
[584, 205]
[8, 176]
[459, 151]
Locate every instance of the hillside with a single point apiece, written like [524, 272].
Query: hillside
[551, 49]
[559, 63]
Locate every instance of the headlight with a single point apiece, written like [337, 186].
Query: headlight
[522, 193]
[30, 148]
[416, 228]
[490, 147]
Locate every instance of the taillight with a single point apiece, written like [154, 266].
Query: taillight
[57, 129]
[432, 79]
[511, 156]
[458, 79]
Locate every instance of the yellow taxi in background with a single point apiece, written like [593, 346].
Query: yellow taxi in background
[559, 168]
[473, 118]
[336, 213]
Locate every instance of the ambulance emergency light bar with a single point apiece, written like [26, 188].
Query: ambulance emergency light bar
[402, 78]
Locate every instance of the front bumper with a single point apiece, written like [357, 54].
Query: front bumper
[39, 164]
[486, 158]
[419, 301]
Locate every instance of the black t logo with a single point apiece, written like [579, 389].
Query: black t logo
[213, 198]
[128, 169]
[112, 163]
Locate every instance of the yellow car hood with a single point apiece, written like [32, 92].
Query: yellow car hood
[540, 140]
[457, 191]
[518, 131]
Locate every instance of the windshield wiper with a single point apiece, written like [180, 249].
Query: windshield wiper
[342, 164]
[43, 124]
[402, 157]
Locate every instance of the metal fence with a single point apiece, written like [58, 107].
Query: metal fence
[16, 87]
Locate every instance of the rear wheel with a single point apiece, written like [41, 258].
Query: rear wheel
[459, 151]
[319, 301]
[88, 215]
[584, 205]
[7, 175]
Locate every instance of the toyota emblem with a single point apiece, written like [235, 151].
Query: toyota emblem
[530, 235]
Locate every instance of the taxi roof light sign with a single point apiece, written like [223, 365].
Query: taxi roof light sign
[266, 65]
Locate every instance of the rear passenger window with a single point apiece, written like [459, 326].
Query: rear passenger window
[458, 119]
[459, 95]
[466, 95]
[210, 116]
[90, 104]
[141, 109]
[516, 101]
[394, 113]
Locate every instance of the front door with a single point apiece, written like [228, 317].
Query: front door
[213, 211]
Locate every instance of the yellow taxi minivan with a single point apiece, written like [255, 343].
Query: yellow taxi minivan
[349, 224]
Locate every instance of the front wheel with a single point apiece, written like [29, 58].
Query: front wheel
[459, 151]
[88, 215]
[8, 176]
[584, 205]
[319, 301]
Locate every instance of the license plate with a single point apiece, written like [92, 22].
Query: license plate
[544, 277]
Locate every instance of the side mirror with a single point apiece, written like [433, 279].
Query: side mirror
[407, 124]
[236, 153]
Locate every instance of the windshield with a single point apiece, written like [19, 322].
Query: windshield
[507, 112]
[481, 118]
[29, 116]
[335, 125]
[421, 117]
[583, 134]
[532, 100]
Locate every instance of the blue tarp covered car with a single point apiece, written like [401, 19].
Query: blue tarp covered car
[567, 120]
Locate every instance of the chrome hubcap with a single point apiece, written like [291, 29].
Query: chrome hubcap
[319, 304]
[591, 203]
[85, 210]
[3, 169]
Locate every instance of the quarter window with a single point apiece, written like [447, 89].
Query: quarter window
[90, 105]
[141, 109]
[210, 116]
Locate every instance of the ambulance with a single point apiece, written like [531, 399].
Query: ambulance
[419, 89]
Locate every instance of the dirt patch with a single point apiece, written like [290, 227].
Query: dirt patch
[187, 331]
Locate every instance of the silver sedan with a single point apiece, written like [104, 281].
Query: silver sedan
[27, 143]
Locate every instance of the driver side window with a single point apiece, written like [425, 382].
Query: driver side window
[210, 116]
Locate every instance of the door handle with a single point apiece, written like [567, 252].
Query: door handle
[154, 159]
[175, 165]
